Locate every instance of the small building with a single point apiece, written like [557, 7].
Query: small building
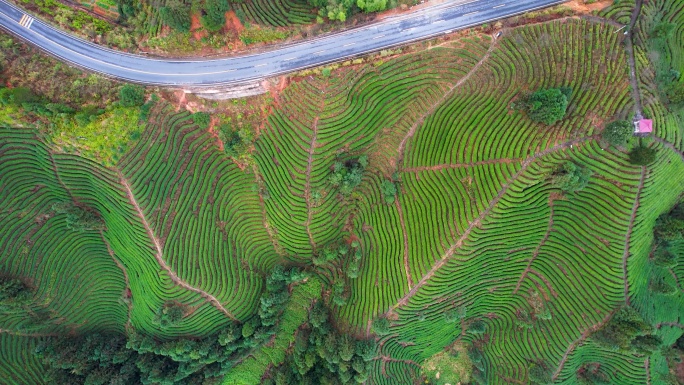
[643, 127]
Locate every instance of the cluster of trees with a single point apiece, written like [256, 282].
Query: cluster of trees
[627, 332]
[571, 177]
[321, 355]
[95, 359]
[642, 155]
[590, 373]
[79, 218]
[617, 133]
[345, 258]
[670, 81]
[341, 9]
[14, 294]
[669, 247]
[30, 102]
[389, 190]
[546, 105]
[347, 175]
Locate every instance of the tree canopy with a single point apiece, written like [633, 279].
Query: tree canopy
[571, 177]
[642, 155]
[547, 105]
[617, 133]
[131, 95]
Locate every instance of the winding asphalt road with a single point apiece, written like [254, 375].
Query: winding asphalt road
[426, 23]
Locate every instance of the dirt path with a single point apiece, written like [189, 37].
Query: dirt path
[578, 341]
[396, 163]
[625, 254]
[636, 96]
[159, 254]
[439, 167]
[477, 221]
[535, 253]
[407, 267]
[669, 145]
[307, 186]
[128, 300]
[670, 324]
[647, 367]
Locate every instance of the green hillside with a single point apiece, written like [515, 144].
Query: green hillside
[432, 228]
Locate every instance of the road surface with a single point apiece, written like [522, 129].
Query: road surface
[426, 23]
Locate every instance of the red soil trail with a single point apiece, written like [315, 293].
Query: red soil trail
[407, 268]
[535, 253]
[477, 221]
[396, 163]
[440, 167]
[159, 253]
[625, 254]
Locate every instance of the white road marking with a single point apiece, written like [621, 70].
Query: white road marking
[26, 21]
[261, 65]
[348, 44]
[499, 6]
[378, 37]
[290, 58]
[317, 52]
[471, 13]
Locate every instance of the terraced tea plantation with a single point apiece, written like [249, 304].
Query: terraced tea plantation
[415, 192]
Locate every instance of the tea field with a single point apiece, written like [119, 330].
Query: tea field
[412, 188]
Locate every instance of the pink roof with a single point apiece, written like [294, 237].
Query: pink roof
[645, 126]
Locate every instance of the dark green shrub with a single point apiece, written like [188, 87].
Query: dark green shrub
[571, 177]
[201, 119]
[642, 155]
[591, 374]
[131, 95]
[214, 18]
[546, 106]
[477, 327]
[617, 133]
[381, 326]
[177, 17]
[169, 314]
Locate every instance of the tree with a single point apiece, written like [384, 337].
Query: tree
[389, 190]
[201, 119]
[540, 373]
[617, 133]
[14, 293]
[214, 18]
[477, 327]
[642, 155]
[176, 17]
[131, 95]
[372, 5]
[169, 314]
[547, 105]
[591, 374]
[646, 344]
[571, 177]
[622, 328]
[381, 326]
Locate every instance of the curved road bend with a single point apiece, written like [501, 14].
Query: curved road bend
[429, 22]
